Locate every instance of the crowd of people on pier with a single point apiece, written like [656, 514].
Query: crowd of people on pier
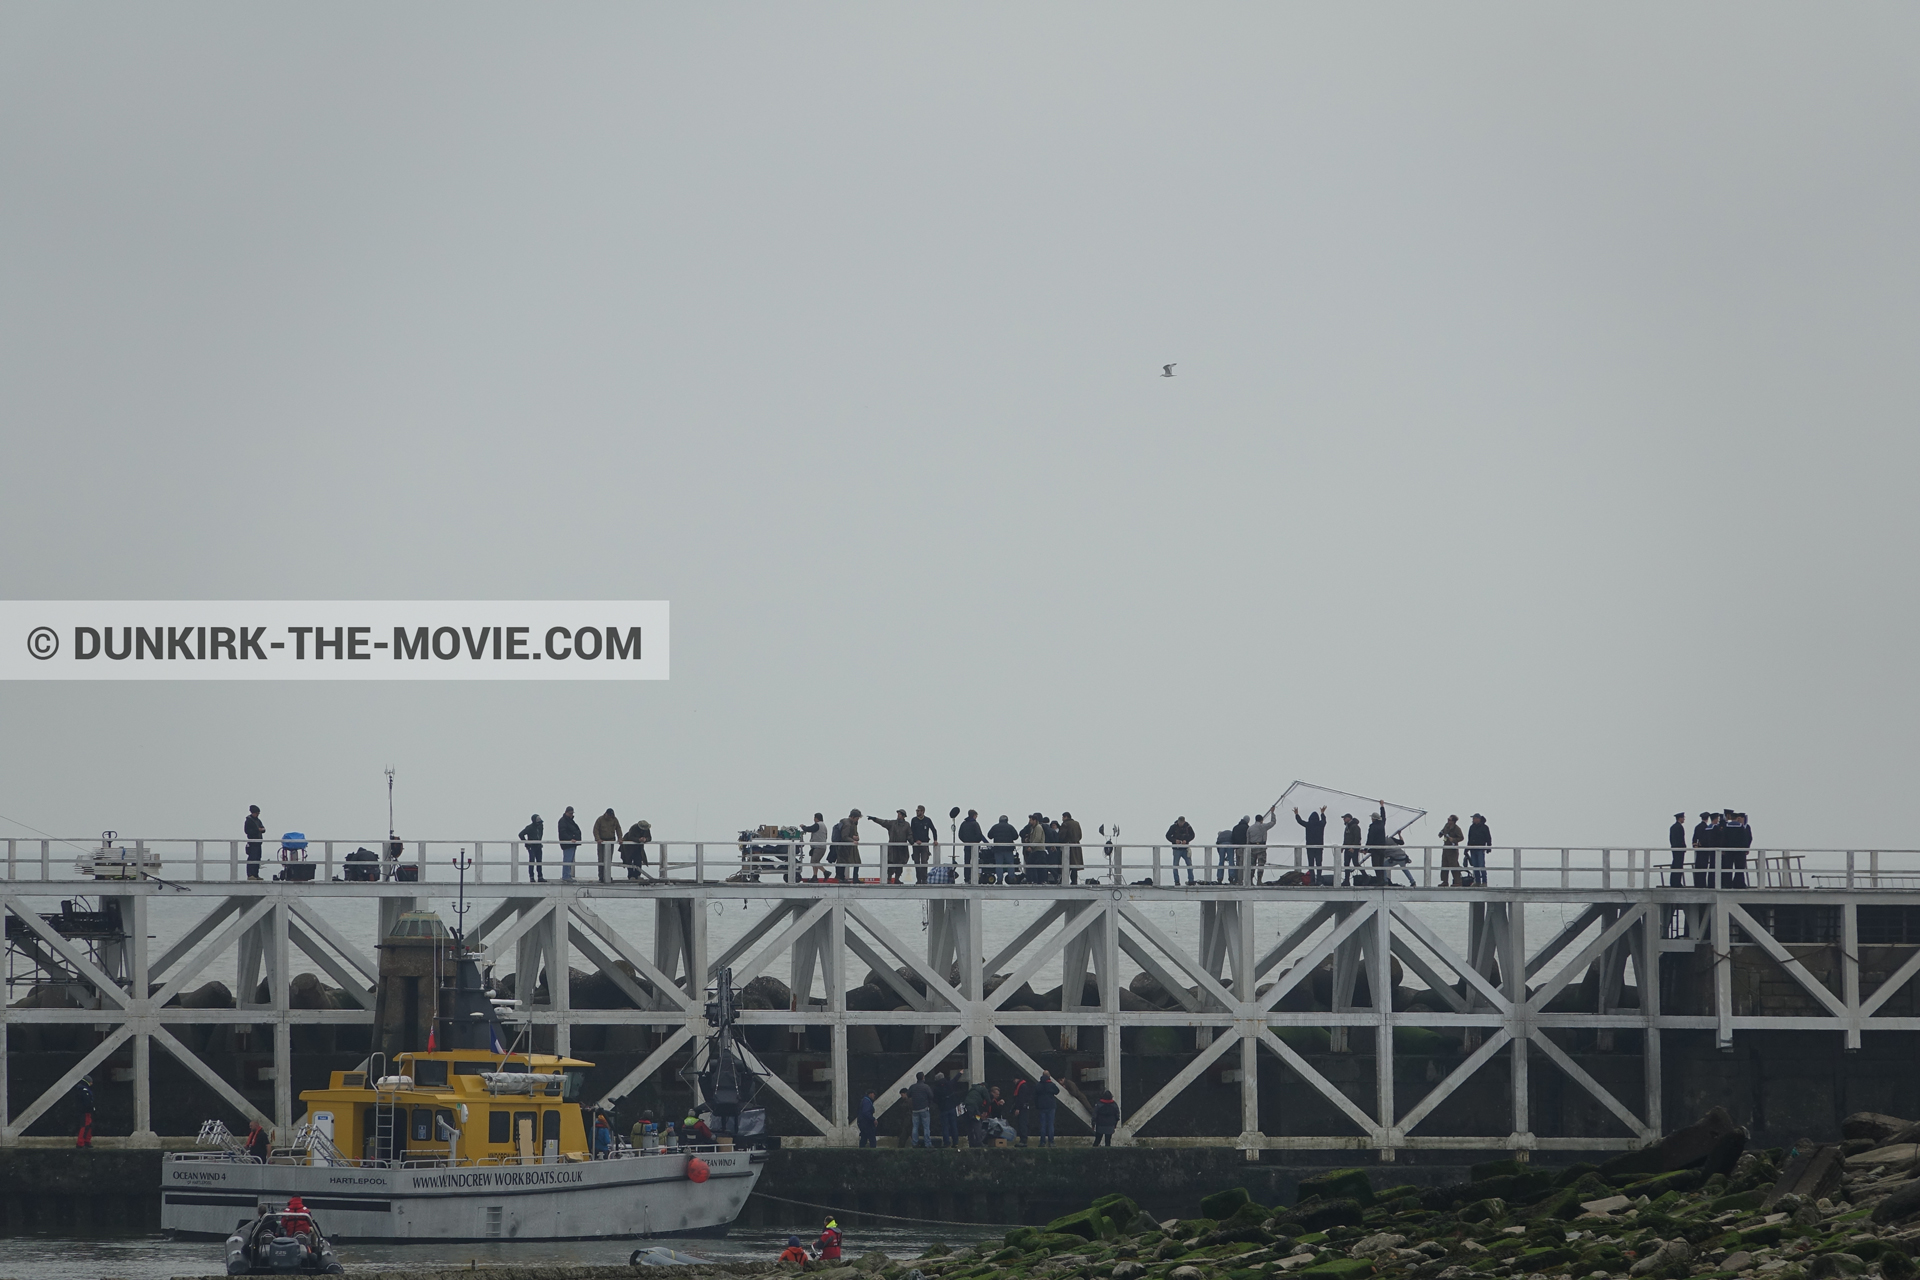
[1719, 843]
[944, 1110]
[1047, 850]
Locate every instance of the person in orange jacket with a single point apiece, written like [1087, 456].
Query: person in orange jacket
[795, 1251]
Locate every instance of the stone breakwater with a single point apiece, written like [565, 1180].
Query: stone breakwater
[1698, 1204]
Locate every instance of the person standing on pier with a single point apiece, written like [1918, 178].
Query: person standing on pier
[256, 832]
[1033, 851]
[1677, 837]
[1070, 843]
[1180, 836]
[1736, 837]
[925, 835]
[1046, 1101]
[869, 1127]
[972, 855]
[569, 832]
[899, 834]
[920, 1104]
[530, 837]
[606, 838]
[633, 848]
[1316, 824]
[1350, 845]
[1004, 836]
[1106, 1118]
[1257, 844]
[1450, 838]
[816, 832]
[1479, 840]
[846, 847]
[1706, 849]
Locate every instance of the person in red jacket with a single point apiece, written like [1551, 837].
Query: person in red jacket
[830, 1242]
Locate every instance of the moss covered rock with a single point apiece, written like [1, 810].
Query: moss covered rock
[1340, 1184]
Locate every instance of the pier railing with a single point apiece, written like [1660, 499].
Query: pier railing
[770, 860]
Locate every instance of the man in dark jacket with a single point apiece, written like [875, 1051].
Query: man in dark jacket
[1070, 843]
[1046, 1101]
[567, 830]
[1736, 837]
[1180, 836]
[1479, 840]
[920, 1103]
[924, 834]
[1106, 1118]
[971, 839]
[869, 1129]
[1677, 837]
[1350, 844]
[530, 836]
[1240, 850]
[1706, 849]
[1033, 852]
[1316, 824]
[633, 850]
[845, 851]
[1004, 836]
[256, 832]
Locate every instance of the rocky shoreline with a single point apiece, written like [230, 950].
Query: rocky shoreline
[1697, 1204]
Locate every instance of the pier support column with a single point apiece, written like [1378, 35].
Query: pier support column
[1112, 1059]
[133, 915]
[279, 980]
[560, 975]
[837, 1010]
[973, 986]
[1346, 977]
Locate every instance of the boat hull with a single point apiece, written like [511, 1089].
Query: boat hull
[619, 1199]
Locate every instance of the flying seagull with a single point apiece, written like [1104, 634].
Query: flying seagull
[1169, 369]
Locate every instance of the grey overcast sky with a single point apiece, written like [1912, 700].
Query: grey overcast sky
[1541, 441]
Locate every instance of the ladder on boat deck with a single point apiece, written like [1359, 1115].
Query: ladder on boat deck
[384, 1107]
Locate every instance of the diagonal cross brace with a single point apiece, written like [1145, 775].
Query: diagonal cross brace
[1034, 1071]
[1304, 967]
[1326, 1088]
[1206, 981]
[192, 969]
[1172, 1089]
[1786, 960]
[87, 970]
[1452, 959]
[626, 951]
[1588, 954]
[1605, 1095]
[1052, 947]
[1455, 1078]
[650, 1064]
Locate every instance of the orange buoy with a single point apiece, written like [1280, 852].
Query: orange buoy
[696, 1169]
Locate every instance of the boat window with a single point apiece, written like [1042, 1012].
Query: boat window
[353, 1080]
[422, 1124]
[576, 1080]
[499, 1126]
[429, 1074]
[550, 1127]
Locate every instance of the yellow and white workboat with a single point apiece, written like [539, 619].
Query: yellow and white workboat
[464, 1144]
